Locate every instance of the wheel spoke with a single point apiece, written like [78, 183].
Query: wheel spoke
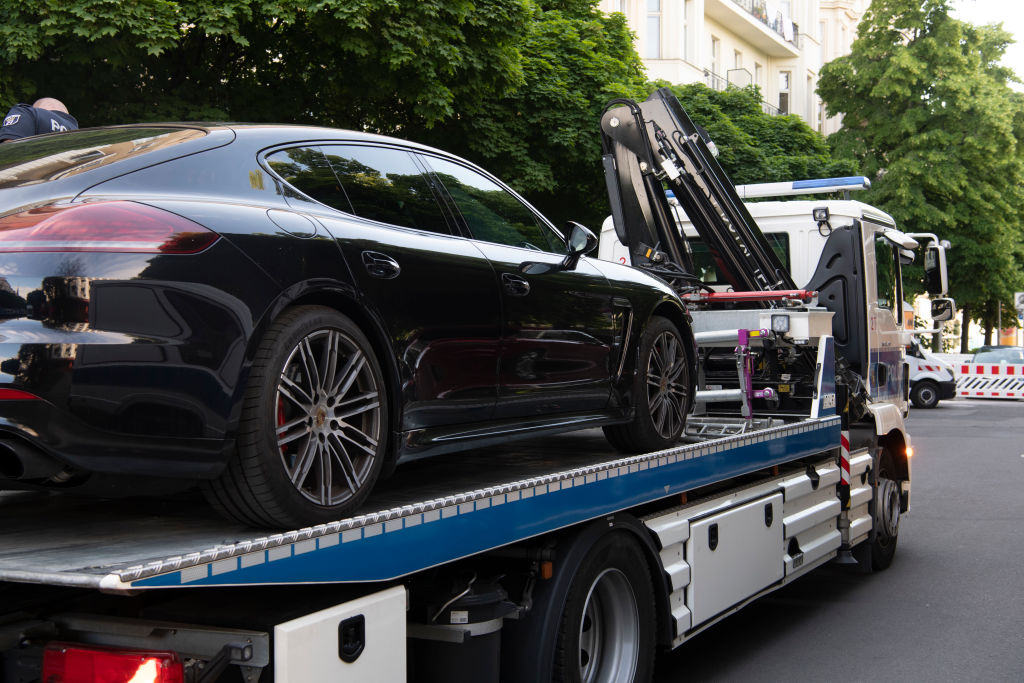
[287, 433]
[326, 478]
[356, 405]
[348, 375]
[303, 463]
[309, 363]
[330, 358]
[368, 444]
[288, 388]
[345, 464]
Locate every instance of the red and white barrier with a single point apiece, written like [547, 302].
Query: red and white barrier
[990, 380]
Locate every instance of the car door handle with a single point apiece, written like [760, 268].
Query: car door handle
[381, 265]
[515, 285]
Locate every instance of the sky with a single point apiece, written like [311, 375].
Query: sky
[1011, 14]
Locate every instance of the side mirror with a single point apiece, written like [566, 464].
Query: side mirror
[906, 256]
[581, 241]
[936, 282]
[943, 309]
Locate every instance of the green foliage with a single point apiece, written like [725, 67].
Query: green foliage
[755, 147]
[515, 85]
[929, 115]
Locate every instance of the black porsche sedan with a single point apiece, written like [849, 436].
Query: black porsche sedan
[282, 314]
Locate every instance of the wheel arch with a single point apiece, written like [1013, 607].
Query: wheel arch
[528, 647]
[681, 319]
[345, 303]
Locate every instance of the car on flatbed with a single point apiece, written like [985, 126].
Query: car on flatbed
[285, 313]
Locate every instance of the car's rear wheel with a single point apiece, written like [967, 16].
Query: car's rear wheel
[312, 436]
[661, 389]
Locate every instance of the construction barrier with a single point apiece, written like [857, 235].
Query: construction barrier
[990, 380]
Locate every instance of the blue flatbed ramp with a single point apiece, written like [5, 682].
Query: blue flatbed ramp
[430, 513]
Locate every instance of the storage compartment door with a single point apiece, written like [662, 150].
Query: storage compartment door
[358, 640]
[734, 554]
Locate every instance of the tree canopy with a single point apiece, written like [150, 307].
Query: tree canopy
[515, 85]
[929, 114]
[755, 147]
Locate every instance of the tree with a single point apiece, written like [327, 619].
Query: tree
[929, 115]
[755, 147]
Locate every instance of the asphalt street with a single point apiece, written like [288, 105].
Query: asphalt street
[951, 606]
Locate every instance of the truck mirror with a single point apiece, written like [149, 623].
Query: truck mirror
[906, 256]
[943, 309]
[936, 281]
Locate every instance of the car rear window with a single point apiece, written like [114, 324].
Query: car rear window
[38, 160]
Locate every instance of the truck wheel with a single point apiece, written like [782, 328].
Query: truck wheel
[607, 628]
[886, 512]
[661, 388]
[312, 432]
[925, 394]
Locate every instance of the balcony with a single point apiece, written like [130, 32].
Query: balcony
[737, 78]
[749, 20]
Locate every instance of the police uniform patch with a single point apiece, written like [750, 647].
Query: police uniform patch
[12, 119]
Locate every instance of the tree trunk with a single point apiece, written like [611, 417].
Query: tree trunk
[965, 316]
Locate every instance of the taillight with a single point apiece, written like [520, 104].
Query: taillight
[103, 226]
[16, 395]
[67, 663]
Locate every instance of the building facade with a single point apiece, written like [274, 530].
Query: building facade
[778, 45]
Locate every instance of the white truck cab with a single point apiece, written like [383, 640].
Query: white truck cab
[798, 232]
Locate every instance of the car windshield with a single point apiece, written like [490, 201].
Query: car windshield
[1001, 354]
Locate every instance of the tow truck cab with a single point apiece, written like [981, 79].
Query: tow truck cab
[852, 257]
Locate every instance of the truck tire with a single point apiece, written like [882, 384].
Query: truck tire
[661, 390]
[311, 439]
[886, 513]
[607, 629]
[925, 394]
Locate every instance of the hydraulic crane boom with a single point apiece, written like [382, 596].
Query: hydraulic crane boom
[653, 144]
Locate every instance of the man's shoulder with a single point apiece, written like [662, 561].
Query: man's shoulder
[19, 122]
[15, 113]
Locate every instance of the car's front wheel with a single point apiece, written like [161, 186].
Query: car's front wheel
[312, 435]
[661, 391]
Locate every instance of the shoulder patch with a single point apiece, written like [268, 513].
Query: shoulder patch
[12, 119]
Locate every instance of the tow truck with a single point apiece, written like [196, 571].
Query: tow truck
[556, 559]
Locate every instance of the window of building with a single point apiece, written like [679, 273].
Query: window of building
[759, 75]
[784, 91]
[716, 55]
[737, 59]
[652, 49]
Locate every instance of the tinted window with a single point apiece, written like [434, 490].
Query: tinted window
[307, 169]
[704, 263]
[384, 184]
[492, 213]
[36, 160]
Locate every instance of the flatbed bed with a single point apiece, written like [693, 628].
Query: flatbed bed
[470, 503]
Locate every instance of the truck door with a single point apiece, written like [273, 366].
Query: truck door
[884, 307]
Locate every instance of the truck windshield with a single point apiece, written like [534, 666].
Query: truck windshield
[707, 270]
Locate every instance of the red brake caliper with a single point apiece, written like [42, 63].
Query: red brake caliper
[280, 417]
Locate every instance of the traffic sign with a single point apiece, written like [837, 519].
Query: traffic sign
[1018, 301]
